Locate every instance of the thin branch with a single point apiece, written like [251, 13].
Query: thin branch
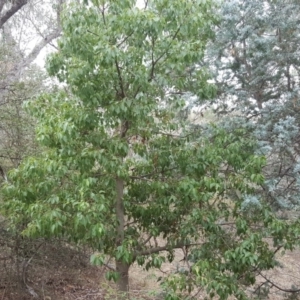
[150, 174]
[137, 91]
[146, 4]
[147, 240]
[103, 14]
[277, 249]
[197, 293]
[157, 249]
[130, 223]
[55, 47]
[2, 173]
[277, 286]
[162, 248]
[121, 84]
[257, 290]
[154, 62]
[290, 184]
[109, 267]
[125, 39]
[93, 33]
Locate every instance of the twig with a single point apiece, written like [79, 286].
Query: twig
[107, 266]
[125, 39]
[147, 240]
[92, 32]
[257, 290]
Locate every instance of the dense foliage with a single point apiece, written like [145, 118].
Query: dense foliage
[16, 126]
[255, 58]
[122, 174]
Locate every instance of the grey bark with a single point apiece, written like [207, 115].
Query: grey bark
[123, 281]
[17, 5]
[21, 62]
[121, 267]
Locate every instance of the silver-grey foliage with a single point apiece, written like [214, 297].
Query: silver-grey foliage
[255, 58]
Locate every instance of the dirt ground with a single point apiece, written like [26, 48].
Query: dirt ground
[54, 270]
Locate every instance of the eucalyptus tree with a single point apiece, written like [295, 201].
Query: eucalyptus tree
[256, 57]
[121, 174]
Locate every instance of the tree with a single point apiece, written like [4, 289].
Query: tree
[121, 174]
[255, 57]
[19, 23]
[17, 127]
[15, 6]
[27, 27]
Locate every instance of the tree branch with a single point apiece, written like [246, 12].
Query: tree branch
[15, 8]
[109, 267]
[278, 287]
[21, 63]
[150, 174]
[120, 211]
[162, 248]
[37, 49]
[157, 250]
[147, 240]
[146, 4]
[154, 62]
[125, 39]
[2, 2]
[120, 79]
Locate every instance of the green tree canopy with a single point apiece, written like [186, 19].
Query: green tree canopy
[119, 171]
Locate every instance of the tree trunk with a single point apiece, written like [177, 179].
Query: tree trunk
[123, 282]
[121, 267]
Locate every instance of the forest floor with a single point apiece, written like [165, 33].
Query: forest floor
[54, 270]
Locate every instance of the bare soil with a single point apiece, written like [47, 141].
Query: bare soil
[54, 270]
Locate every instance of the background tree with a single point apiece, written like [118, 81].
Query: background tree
[27, 27]
[9, 8]
[255, 58]
[120, 174]
[26, 32]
